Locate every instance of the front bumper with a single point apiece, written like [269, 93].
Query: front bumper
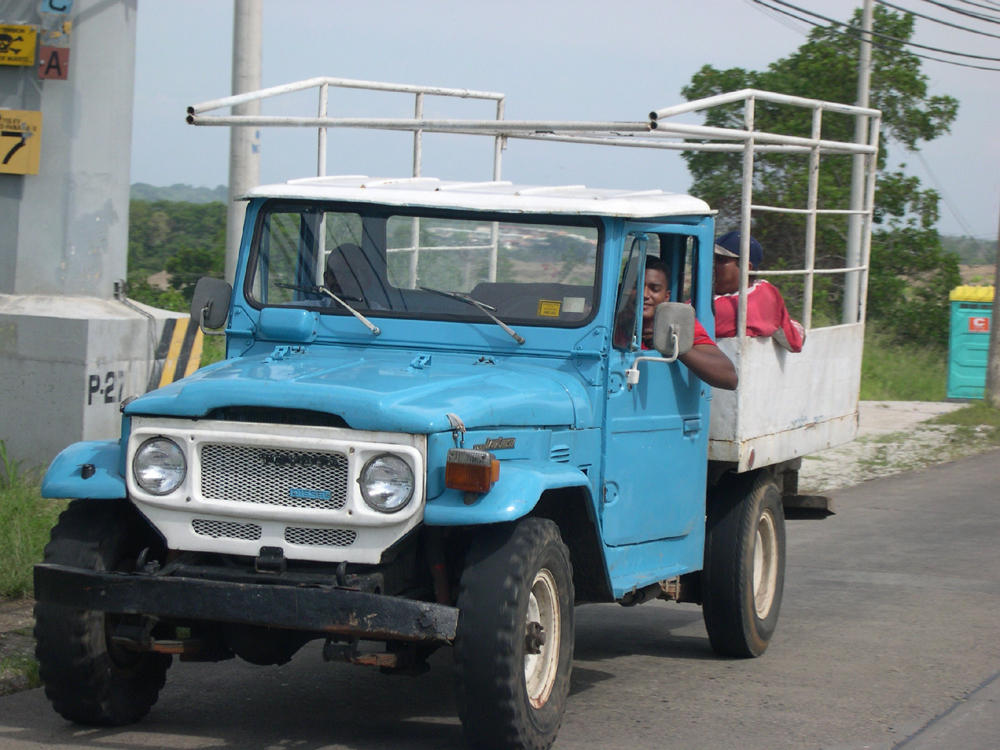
[312, 608]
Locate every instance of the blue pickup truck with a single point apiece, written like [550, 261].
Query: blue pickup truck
[436, 425]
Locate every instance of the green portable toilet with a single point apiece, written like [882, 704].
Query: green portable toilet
[969, 341]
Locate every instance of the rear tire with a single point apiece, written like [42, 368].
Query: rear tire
[515, 599]
[744, 571]
[87, 678]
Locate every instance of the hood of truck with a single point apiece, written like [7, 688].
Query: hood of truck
[390, 390]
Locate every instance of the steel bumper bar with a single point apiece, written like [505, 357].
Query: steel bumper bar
[325, 609]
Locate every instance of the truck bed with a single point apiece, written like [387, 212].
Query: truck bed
[788, 404]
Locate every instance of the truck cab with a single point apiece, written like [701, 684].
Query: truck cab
[378, 325]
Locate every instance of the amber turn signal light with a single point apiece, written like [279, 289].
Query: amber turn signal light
[470, 470]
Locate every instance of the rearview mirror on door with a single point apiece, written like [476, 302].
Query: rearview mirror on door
[673, 329]
[210, 304]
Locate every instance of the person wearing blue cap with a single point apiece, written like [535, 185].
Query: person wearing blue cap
[766, 311]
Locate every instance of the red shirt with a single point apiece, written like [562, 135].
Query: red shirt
[701, 335]
[766, 316]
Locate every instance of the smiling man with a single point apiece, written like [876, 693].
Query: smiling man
[704, 359]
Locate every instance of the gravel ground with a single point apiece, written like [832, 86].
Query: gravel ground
[893, 437]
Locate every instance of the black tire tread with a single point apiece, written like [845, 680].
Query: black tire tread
[81, 680]
[727, 586]
[490, 641]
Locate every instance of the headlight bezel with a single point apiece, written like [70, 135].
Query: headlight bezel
[365, 480]
[180, 477]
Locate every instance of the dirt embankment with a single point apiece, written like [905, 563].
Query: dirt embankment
[893, 437]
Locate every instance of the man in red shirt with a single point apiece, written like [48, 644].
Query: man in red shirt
[766, 311]
[704, 358]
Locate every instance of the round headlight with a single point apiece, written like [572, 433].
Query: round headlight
[159, 466]
[386, 483]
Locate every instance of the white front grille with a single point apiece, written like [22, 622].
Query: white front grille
[253, 485]
[274, 476]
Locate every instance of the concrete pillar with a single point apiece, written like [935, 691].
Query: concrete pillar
[66, 228]
[70, 351]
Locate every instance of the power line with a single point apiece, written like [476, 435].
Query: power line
[993, 6]
[780, 19]
[886, 36]
[936, 20]
[851, 31]
[970, 14]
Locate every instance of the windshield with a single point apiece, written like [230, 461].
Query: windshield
[524, 270]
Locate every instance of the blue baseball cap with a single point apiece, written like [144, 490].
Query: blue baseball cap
[728, 245]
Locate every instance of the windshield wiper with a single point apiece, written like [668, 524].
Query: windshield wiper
[323, 290]
[486, 309]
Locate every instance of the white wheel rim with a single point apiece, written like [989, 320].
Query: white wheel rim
[765, 565]
[543, 608]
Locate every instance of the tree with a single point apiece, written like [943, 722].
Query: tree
[189, 264]
[185, 239]
[910, 274]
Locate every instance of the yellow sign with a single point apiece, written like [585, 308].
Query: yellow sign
[17, 44]
[20, 141]
[548, 308]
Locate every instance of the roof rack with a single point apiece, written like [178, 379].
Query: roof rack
[658, 130]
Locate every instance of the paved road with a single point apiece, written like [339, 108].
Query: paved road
[888, 638]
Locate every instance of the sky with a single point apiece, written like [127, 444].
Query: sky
[554, 59]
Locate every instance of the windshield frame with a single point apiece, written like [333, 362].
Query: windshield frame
[462, 312]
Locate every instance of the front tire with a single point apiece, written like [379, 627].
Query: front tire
[88, 679]
[514, 646]
[744, 571]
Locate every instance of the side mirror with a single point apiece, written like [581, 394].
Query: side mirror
[673, 329]
[210, 303]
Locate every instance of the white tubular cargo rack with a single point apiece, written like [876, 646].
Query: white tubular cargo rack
[787, 405]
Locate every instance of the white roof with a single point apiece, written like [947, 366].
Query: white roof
[487, 196]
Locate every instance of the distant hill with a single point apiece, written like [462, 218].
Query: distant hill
[141, 191]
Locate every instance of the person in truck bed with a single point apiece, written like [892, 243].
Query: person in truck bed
[766, 311]
[704, 359]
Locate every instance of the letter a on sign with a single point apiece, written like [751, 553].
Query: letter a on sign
[53, 62]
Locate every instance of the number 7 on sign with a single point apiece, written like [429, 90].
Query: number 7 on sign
[20, 144]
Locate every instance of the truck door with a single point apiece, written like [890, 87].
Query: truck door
[657, 431]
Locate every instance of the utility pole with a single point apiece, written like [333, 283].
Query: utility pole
[861, 124]
[992, 391]
[244, 142]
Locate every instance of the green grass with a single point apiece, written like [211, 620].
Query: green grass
[213, 350]
[977, 421]
[25, 521]
[893, 372]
